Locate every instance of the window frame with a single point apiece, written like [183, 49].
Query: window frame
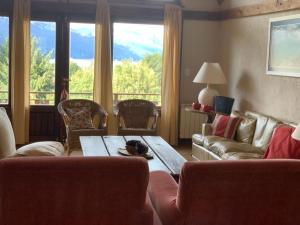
[3, 14]
[132, 21]
[56, 72]
[82, 21]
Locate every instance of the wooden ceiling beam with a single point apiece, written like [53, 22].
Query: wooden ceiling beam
[260, 9]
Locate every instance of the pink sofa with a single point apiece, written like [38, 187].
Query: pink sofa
[75, 191]
[265, 192]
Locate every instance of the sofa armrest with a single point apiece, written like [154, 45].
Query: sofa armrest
[206, 129]
[163, 194]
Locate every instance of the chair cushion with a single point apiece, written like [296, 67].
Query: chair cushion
[206, 141]
[225, 126]
[47, 148]
[7, 137]
[222, 147]
[282, 144]
[245, 129]
[242, 155]
[81, 120]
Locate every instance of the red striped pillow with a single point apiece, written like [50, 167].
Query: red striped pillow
[225, 126]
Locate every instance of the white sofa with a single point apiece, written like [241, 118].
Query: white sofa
[8, 143]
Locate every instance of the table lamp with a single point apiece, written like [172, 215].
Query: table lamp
[209, 73]
[296, 133]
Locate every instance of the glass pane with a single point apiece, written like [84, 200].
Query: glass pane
[137, 61]
[42, 71]
[4, 59]
[82, 54]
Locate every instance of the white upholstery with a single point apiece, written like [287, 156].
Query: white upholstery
[8, 144]
[7, 137]
[47, 148]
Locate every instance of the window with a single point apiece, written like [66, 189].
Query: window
[82, 54]
[42, 70]
[4, 60]
[137, 62]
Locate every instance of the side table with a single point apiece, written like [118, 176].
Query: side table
[210, 115]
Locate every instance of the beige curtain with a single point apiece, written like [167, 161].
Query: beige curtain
[171, 74]
[20, 68]
[103, 61]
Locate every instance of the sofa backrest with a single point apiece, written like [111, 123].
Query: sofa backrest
[240, 192]
[265, 126]
[77, 191]
[7, 137]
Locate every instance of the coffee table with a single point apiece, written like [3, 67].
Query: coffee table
[165, 157]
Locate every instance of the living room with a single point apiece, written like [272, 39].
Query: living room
[108, 54]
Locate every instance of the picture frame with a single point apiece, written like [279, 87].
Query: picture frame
[283, 56]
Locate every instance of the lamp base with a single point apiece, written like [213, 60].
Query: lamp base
[206, 96]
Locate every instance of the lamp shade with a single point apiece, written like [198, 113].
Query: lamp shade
[296, 133]
[210, 73]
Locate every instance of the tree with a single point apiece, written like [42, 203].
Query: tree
[4, 68]
[136, 78]
[129, 77]
[155, 62]
[81, 81]
[73, 68]
[42, 72]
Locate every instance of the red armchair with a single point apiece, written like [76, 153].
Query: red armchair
[229, 193]
[75, 191]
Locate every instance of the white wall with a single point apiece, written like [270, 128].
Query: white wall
[200, 43]
[243, 53]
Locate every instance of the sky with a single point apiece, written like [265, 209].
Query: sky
[139, 34]
[138, 37]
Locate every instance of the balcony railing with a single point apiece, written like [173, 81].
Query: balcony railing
[47, 98]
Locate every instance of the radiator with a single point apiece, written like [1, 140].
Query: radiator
[190, 122]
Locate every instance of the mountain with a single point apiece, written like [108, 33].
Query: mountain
[82, 44]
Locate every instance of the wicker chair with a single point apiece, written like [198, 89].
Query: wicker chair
[137, 117]
[97, 116]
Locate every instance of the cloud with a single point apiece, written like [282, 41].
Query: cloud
[142, 38]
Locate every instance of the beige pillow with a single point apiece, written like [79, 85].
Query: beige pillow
[47, 148]
[246, 128]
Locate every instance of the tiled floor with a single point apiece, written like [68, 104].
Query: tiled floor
[184, 149]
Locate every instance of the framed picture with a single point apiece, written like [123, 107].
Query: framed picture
[284, 46]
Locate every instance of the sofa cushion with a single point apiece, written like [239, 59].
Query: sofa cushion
[242, 155]
[282, 144]
[264, 129]
[47, 148]
[225, 126]
[245, 129]
[206, 141]
[222, 147]
[7, 137]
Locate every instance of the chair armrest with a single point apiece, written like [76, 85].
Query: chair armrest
[206, 129]
[118, 117]
[163, 194]
[156, 115]
[116, 112]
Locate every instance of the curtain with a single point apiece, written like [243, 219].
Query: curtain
[103, 62]
[20, 68]
[171, 73]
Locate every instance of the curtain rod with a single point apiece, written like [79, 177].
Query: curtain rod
[155, 4]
